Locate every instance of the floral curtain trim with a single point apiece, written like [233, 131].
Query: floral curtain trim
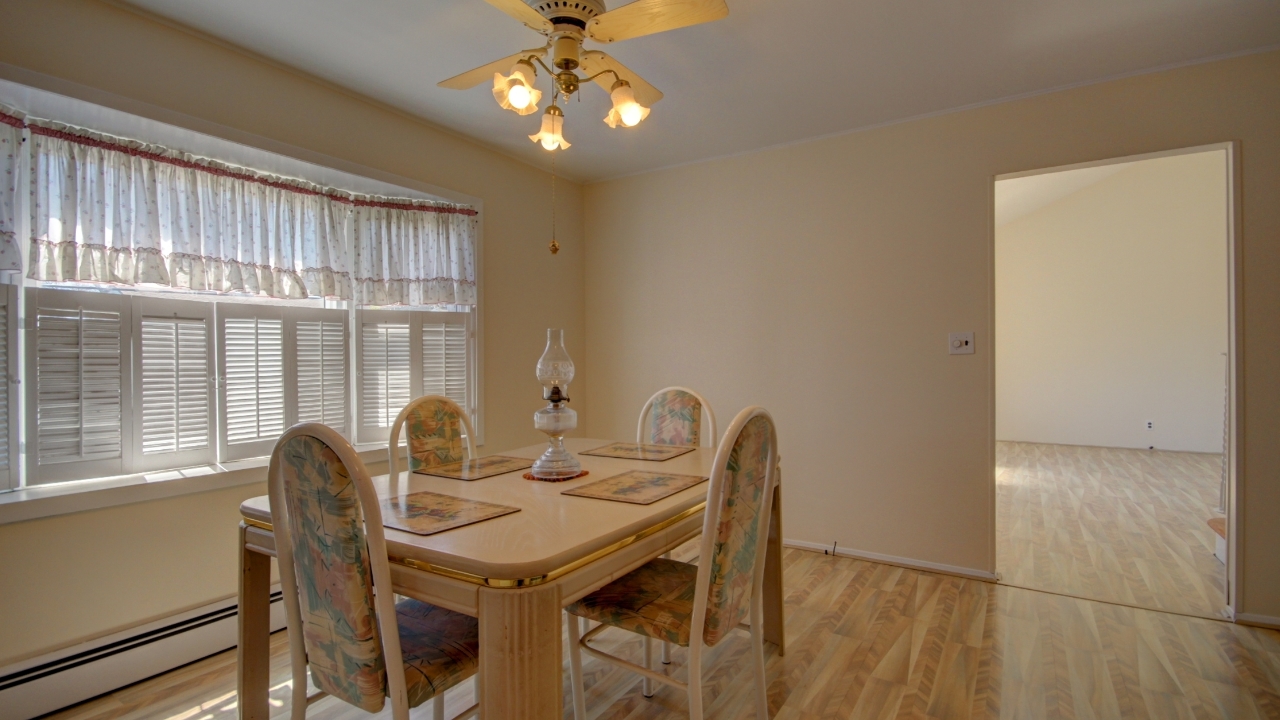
[117, 211]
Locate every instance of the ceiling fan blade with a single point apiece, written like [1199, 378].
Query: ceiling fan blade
[472, 78]
[519, 10]
[646, 17]
[594, 61]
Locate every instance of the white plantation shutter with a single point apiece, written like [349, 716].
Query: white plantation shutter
[407, 354]
[319, 352]
[445, 357]
[174, 410]
[79, 380]
[386, 371]
[8, 400]
[251, 371]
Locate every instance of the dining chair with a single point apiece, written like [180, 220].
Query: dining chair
[438, 432]
[697, 606]
[673, 416]
[345, 625]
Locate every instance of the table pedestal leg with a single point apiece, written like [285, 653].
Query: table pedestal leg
[253, 654]
[774, 631]
[520, 657]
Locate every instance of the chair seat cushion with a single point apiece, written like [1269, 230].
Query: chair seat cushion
[655, 599]
[441, 648]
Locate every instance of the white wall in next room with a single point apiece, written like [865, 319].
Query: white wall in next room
[1111, 306]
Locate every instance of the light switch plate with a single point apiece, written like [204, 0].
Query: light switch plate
[960, 343]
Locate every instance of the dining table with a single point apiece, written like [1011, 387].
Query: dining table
[514, 573]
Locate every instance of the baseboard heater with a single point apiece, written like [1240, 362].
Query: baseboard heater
[51, 682]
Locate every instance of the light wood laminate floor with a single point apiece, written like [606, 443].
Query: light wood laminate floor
[1112, 524]
[875, 641]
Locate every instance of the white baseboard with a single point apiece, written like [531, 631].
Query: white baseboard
[925, 565]
[1266, 621]
[60, 679]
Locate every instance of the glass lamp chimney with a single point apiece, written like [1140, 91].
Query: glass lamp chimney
[555, 368]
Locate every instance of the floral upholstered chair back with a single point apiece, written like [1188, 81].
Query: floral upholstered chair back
[673, 416]
[333, 572]
[438, 433]
[733, 545]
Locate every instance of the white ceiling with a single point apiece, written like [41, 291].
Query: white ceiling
[773, 72]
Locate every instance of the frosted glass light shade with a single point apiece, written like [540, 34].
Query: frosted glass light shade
[625, 110]
[552, 134]
[515, 92]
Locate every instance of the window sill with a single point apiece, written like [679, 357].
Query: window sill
[42, 501]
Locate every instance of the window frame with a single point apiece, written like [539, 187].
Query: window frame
[122, 118]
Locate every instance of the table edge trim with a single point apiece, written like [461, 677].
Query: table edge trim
[512, 583]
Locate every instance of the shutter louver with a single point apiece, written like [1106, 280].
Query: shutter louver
[385, 364]
[79, 377]
[175, 387]
[322, 372]
[254, 375]
[444, 361]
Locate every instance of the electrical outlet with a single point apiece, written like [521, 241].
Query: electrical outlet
[960, 343]
[1151, 425]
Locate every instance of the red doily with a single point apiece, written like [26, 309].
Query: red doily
[529, 476]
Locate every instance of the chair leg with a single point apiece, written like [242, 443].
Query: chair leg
[575, 670]
[298, 709]
[757, 651]
[437, 707]
[695, 686]
[666, 646]
[646, 685]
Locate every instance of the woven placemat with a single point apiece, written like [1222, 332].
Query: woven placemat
[427, 513]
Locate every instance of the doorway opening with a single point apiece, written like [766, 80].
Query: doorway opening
[1114, 356]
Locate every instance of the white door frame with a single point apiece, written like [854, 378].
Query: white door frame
[1235, 356]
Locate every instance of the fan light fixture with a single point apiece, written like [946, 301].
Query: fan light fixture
[625, 108]
[552, 134]
[516, 92]
[566, 23]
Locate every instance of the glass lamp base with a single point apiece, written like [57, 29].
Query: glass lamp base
[556, 463]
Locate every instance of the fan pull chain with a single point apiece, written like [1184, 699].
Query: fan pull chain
[554, 246]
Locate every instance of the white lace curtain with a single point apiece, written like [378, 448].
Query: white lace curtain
[394, 266]
[10, 155]
[113, 211]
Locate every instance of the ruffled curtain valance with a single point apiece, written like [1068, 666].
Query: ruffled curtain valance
[404, 257]
[115, 211]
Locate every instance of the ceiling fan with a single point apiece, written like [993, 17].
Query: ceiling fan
[566, 23]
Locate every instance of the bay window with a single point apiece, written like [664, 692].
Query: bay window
[182, 312]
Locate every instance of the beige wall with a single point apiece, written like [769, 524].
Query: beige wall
[71, 578]
[1111, 310]
[821, 279]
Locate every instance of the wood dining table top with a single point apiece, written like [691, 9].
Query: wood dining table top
[550, 532]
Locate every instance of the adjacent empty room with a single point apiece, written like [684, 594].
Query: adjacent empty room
[1112, 317]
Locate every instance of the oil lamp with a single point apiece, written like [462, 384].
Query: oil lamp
[555, 372]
